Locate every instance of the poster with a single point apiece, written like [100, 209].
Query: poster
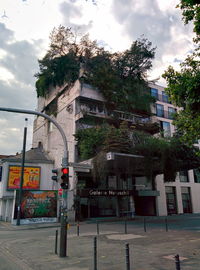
[31, 177]
[37, 204]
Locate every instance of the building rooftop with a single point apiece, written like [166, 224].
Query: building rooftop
[34, 155]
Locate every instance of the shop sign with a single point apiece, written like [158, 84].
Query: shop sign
[97, 192]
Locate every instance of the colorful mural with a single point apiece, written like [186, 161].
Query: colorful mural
[38, 204]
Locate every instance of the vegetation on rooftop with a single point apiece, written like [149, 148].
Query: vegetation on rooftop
[121, 77]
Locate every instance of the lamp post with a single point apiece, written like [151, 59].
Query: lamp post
[64, 161]
[22, 174]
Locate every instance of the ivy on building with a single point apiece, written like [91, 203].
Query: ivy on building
[160, 155]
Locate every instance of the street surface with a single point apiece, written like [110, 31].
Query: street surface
[153, 244]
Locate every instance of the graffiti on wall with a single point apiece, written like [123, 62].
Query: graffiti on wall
[38, 204]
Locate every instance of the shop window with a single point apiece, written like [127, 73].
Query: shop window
[186, 199]
[183, 176]
[196, 175]
[112, 182]
[159, 110]
[171, 200]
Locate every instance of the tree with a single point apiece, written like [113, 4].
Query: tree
[184, 85]
[191, 12]
[121, 77]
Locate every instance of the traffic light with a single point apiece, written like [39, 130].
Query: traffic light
[64, 183]
[57, 175]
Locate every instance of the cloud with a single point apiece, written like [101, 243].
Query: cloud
[19, 58]
[164, 28]
[72, 12]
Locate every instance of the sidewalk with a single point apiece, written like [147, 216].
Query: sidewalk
[154, 249]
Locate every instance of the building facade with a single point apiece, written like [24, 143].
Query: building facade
[123, 193]
[38, 169]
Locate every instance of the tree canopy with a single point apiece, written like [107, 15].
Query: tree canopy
[191, 12]
[184, 85]
[121, 76]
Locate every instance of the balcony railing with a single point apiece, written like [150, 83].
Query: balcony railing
[100, 111]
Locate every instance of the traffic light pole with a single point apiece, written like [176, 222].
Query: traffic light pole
[63, 229]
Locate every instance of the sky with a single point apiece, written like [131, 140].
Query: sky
[25, 26]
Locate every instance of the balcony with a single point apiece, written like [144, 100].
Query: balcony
[98, 110]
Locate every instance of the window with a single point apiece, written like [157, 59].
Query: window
[196, 175]
[165, 127]
[171, 112]
[154, 93]
[159, 110]
[186, 200]
[171, 200]
[183, 176]
[165, 97]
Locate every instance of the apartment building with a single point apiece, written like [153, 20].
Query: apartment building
[82, 106]
[180, 196]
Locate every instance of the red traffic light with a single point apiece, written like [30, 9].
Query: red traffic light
[65, 170]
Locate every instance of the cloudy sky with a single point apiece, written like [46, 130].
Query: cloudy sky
[25, 26]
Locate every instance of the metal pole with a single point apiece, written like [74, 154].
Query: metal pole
[177, 262]
[95, 253]
[97, 227]
[125, 227]
[22, 175]
[166, 224]
[63, 236]
[56, 243]
[78, 229]
[127, 257]
[145, 228]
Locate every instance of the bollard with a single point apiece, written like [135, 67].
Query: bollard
[145, 227]
[95, 253]
[125, 227]
[177, 262]
[78, 229]
[97, 227]
[56, 242]
[127, 257]
[166, 224]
